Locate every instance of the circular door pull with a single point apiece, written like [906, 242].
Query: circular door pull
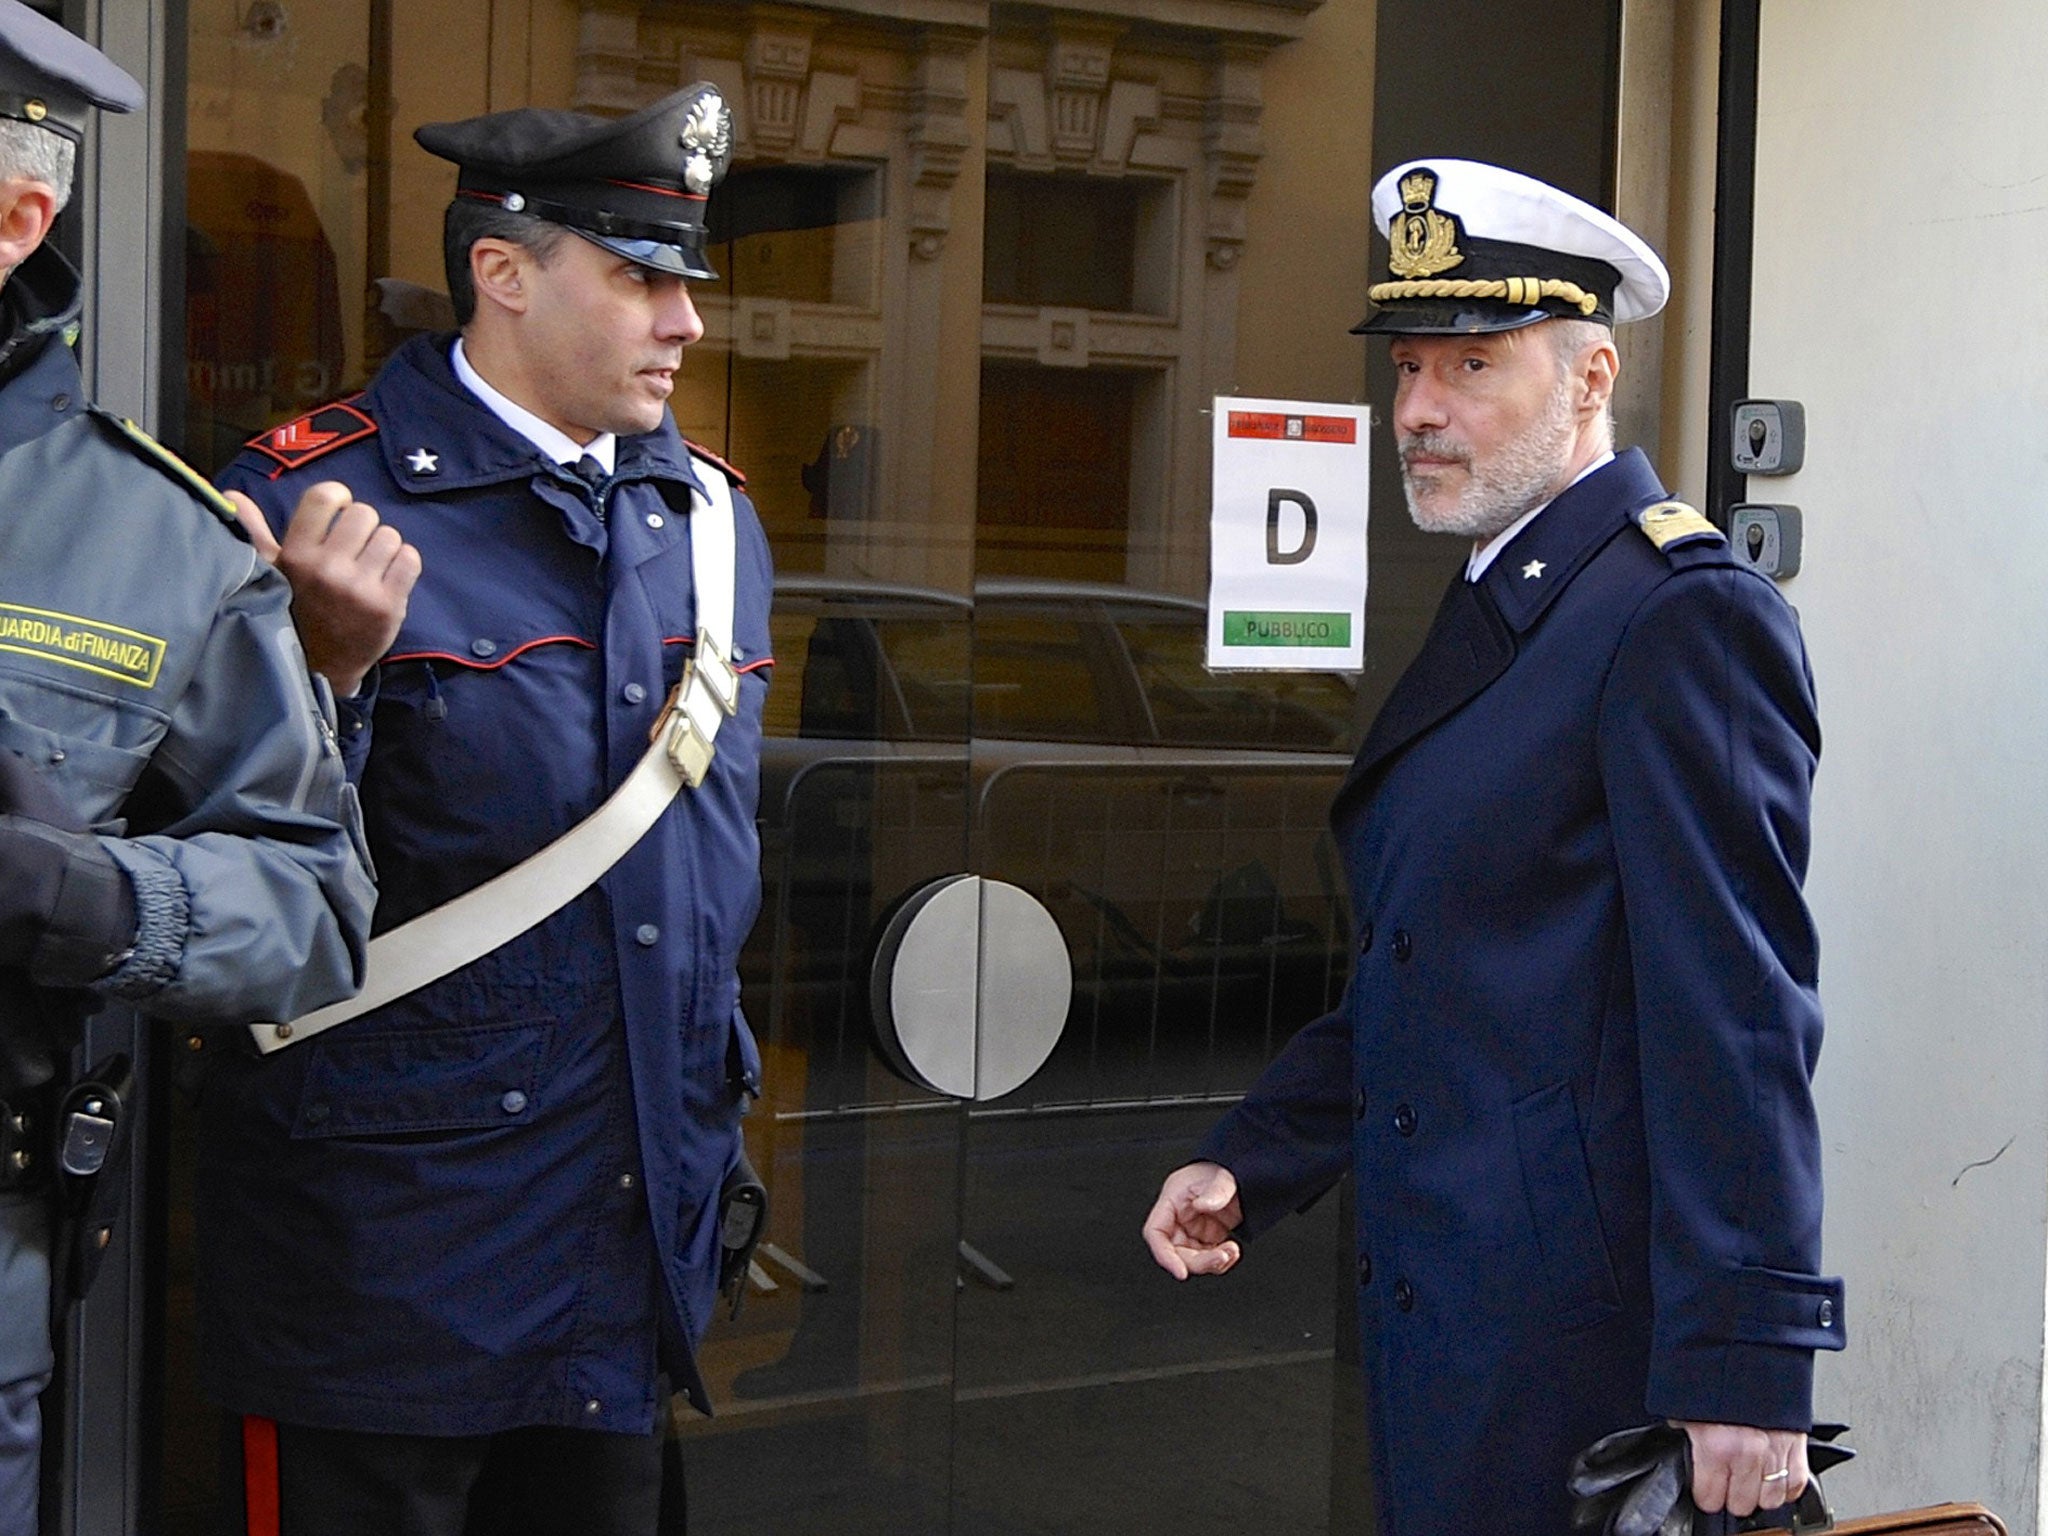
[970, 987]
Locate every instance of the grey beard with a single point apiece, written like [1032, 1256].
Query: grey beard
[1519, 476]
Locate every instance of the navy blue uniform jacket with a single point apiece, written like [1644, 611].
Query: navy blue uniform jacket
[1572, 1068]
[493, 1203]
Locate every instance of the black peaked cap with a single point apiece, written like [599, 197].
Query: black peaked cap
[636, 185]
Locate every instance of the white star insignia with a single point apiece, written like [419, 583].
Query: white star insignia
[1532, 570]
[423, 463]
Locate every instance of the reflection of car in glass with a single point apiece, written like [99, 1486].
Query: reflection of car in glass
[1052, 661]
[1066, 737]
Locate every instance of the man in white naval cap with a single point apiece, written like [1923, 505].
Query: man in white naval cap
[175, 828]
[1571, 1072]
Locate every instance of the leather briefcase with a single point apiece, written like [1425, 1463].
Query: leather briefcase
[1935, 1520]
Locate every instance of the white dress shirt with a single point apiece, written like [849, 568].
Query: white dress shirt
[550, 440]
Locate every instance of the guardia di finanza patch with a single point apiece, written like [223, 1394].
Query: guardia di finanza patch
[126, 655]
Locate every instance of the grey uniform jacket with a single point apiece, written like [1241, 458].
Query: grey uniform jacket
[151, 679]
[149, 673]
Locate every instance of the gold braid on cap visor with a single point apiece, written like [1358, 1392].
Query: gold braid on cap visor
[1516, 290]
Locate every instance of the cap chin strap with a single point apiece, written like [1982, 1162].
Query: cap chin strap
[596, 221]
[28, 107]
[1515, 290]
[505, 906]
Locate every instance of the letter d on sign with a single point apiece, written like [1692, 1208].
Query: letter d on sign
[1274, 554]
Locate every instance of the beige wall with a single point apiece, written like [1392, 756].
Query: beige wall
[1886, 146]
[1310, 215]
[1693, 113]
[1898, 162]
[1665, 163]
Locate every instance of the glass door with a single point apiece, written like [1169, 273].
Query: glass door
[831, 373]
[983, 270]
[1171, 819]
[970, 335]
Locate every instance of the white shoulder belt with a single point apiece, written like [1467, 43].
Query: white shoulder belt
[502, 908]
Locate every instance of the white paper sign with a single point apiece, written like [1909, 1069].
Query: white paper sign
[1287, 536]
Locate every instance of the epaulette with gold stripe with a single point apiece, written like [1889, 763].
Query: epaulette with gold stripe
[1672, 526]
[711, 458]
[162, 457]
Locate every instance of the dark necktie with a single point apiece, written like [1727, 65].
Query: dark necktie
[592, 474]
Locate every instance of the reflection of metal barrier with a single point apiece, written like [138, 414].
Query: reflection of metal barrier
[1199, 905]
[1196, 898]
[845, 838]
[1196, 894]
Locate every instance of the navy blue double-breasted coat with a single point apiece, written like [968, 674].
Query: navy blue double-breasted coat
[493, 1203]
[1572, 1069]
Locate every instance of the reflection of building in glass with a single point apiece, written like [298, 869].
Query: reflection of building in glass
[982, 268]
[1111, 178]
[262, 303]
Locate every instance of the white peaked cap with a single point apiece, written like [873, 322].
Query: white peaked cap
[1497, 205]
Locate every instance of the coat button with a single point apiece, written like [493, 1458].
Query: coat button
[647, 935]
[1403, 945]
[1365, 1269]
[1404, 1295]
[1826, 1314]
[483, 647]
[593, 1407]
[1365, 939]
[633, 693]
[316, 1114]
[1404, 1120]
[627, 1181]
[1358, 1104]
[655, 519]
[513, 1103]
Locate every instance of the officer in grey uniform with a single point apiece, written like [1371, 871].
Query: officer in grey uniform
[176, 830]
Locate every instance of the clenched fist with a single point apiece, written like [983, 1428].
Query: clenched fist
[351, 574]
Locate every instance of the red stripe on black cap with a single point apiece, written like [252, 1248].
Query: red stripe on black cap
[641, 186]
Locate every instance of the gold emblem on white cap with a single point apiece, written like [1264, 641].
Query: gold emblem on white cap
[706, 136]
[1424, 241]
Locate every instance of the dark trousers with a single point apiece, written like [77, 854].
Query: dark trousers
[539, 1481]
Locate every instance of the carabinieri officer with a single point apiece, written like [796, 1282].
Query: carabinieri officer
[453, 1253]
